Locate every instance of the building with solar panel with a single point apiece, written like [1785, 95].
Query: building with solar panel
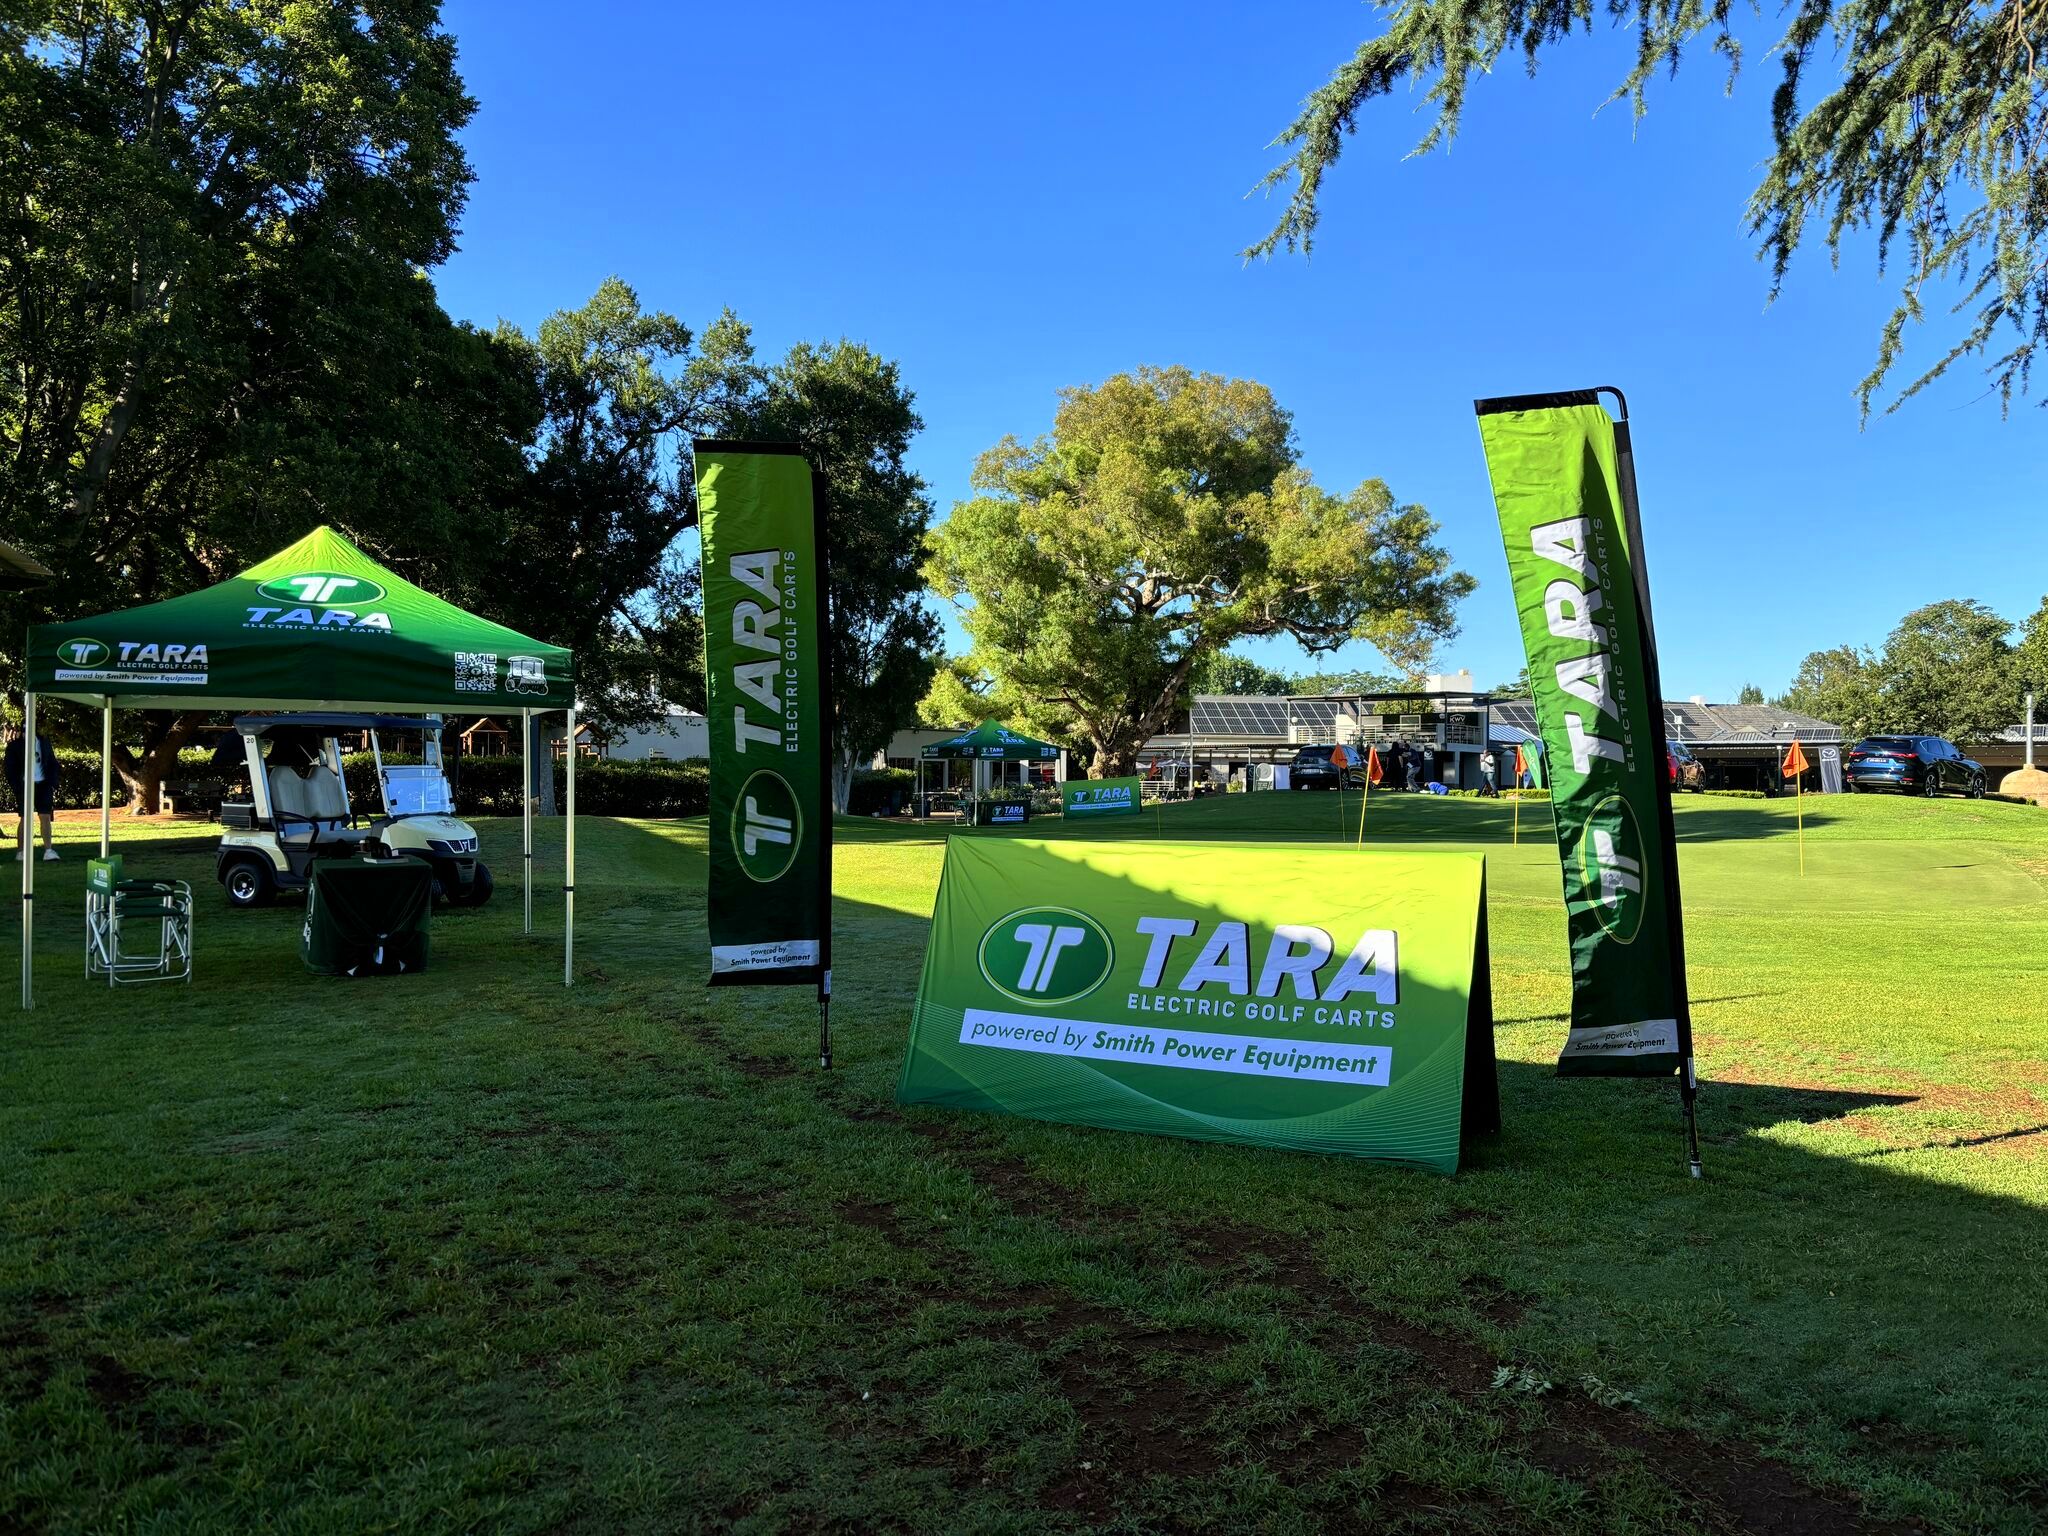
[1242, 740]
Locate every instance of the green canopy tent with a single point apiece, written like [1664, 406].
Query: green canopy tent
[988, 742]
[318, 626]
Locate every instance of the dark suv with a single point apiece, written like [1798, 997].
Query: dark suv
[1913, 765]
[1316, 768]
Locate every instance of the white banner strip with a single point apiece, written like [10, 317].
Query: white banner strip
[1251, 1055]
[770, 955]
[1649, 1037]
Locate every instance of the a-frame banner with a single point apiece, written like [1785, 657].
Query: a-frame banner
[1564, 482]
[1283, 996]
[766, 673]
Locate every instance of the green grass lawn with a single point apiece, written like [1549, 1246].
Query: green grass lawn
[472, 1251]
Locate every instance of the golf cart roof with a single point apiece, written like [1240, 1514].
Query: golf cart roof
[258, 725]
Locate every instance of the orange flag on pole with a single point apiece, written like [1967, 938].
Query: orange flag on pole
[1373, 772]
[1795, 760]
[1521, 765]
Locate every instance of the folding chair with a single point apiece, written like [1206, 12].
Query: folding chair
[118, 909]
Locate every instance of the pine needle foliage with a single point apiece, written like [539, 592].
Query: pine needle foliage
[1916, 122]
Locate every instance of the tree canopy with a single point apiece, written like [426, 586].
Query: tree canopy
[217, 331]
[1166, 515]
[1926, 134]
[850, 409]
[1947, 669]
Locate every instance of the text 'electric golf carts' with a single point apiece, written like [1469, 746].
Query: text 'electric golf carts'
[298, 809]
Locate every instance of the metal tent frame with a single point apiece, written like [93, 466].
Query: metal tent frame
[26, 789]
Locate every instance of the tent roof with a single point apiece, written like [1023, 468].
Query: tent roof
[995, 741]
[19, 569]
[320, 626]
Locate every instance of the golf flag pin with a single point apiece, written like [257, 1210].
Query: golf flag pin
[1795, 769]
[1374, 773]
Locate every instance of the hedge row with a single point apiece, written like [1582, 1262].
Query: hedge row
[484, 786]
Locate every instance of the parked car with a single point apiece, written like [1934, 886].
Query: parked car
[1687, 771]
[1923, 765]
[1316, 768]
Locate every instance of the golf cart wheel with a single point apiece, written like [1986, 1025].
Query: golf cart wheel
[248, 884]
[475, 894]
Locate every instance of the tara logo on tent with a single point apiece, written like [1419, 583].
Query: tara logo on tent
[1044, 955]
[322, 588]
[83, 653]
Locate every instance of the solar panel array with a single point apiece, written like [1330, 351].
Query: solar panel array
[1276, 719]
[1239, 717]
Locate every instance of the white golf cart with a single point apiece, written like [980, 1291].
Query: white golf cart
[297, 809]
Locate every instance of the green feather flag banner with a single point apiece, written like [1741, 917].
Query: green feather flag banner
[1564, 483]
[765, 681]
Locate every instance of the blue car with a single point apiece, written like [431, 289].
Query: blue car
[1912, 765]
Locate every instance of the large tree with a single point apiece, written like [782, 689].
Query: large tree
[850, 409]
[1947, 670]
[1840, 686]
[1227, 672]
[585, 554]
[2030, 657]
[214, 331]
[167, 159]
[1166, 515]
[1924, 127]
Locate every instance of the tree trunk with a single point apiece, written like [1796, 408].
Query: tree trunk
[100, 462]
[543, 768]
[1118, 760]
[842, 780]
[1117, 757]
[144, 773]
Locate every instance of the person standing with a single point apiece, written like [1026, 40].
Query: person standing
[1487, 768]
[44, 791]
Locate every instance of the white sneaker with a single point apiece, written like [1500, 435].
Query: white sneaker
[49, 855]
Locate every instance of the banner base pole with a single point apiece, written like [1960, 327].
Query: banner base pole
[825, 1028]
[1689, 1097]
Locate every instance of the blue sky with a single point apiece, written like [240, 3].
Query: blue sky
[1009, 199]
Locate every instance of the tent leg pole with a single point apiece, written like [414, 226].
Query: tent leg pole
[106, 778]
[569, 860]
[29, 758]
[526, 813]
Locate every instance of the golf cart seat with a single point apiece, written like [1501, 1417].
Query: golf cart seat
[312, 806]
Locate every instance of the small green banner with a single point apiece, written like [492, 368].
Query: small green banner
[1564, 482]
[1312, 998]
[764, 680]
[1102, 797]
[1001, 813]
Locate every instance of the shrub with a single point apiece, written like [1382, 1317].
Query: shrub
[1737, 794]
[880, 791]
[489, 786]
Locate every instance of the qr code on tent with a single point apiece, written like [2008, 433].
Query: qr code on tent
[476, 671]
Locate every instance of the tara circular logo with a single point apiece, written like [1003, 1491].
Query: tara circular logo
[1045, 955]
[1611, 858]
[767, 826]
[83, 652]
[324, 588]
